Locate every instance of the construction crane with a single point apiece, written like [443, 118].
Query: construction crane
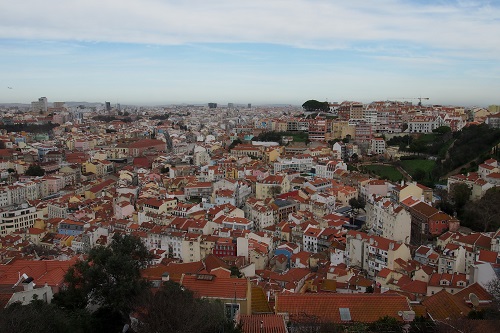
[419, 99]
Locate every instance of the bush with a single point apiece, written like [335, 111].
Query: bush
[410, 157]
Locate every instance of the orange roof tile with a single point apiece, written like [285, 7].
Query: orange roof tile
[444, 305]
[215, 287]
[263, 323]
[43, 271]
[365, 308]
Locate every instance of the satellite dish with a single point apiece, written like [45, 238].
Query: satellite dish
[474, 299]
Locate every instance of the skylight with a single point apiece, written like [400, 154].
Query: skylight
[345, 314]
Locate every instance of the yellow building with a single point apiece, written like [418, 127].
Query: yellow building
[271, 154]
[340, 129]
[271, 186]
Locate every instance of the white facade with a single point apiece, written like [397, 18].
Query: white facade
[388, 220]
[378, 146]
[302, 164]
[18, 219]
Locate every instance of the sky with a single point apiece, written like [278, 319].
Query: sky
[152, 52]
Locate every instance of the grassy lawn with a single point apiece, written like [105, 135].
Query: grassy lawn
[411, 165]
[300, 137]
[385, 171]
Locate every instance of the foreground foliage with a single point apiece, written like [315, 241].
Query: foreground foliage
[182, 312]
[109, 278]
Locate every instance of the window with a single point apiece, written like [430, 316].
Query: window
[231, 309]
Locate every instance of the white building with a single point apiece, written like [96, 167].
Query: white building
[20, 218]
[300, 163]
[377, 146]
[373, 253]
[387, 219]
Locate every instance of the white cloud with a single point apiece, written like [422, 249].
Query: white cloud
[457, 27]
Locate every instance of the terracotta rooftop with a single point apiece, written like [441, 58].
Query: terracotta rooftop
[263, 323]
[43, 271]
[211, 286]
[444, 305]
[365, 308]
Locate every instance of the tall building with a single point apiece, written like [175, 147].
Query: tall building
[249, 105]
[108, 106]
[40, 106]
[42, 101]
[212, 105]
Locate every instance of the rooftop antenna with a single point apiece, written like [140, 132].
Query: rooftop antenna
[474, 300]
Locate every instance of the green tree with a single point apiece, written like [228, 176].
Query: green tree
[41, 317]
[357, 204]
[419, 174]
[460, 194]
[235, 143]
[442, 130]
[386, 324]
[182, 312]
[109, 278]
[314, 105]
[275, 190]
[34, 170]
[235, 271]
[483, 213]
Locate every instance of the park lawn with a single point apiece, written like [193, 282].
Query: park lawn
[385, 171]
[411, 165]
[300, 137]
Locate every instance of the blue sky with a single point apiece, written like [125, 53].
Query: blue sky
[285, 51]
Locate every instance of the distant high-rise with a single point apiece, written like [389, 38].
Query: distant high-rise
[108, 106]
[58, 105]
[230, 105]
[40, 106]
[212, 105]
[249, 105]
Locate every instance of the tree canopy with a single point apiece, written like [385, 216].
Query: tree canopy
[41, 317]
[442, 130]
[182, 312]
[483, 213]
[314, 105]
[110, 277]
[34, 170]
[357, 204]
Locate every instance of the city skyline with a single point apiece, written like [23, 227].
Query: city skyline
[259, 52]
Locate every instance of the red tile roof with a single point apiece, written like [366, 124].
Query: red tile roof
[415, 287]
[42, 271]
[263, 323]
[476, 289]
[487, 256]
[365, 308]
[211, 286]
[444, 305]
